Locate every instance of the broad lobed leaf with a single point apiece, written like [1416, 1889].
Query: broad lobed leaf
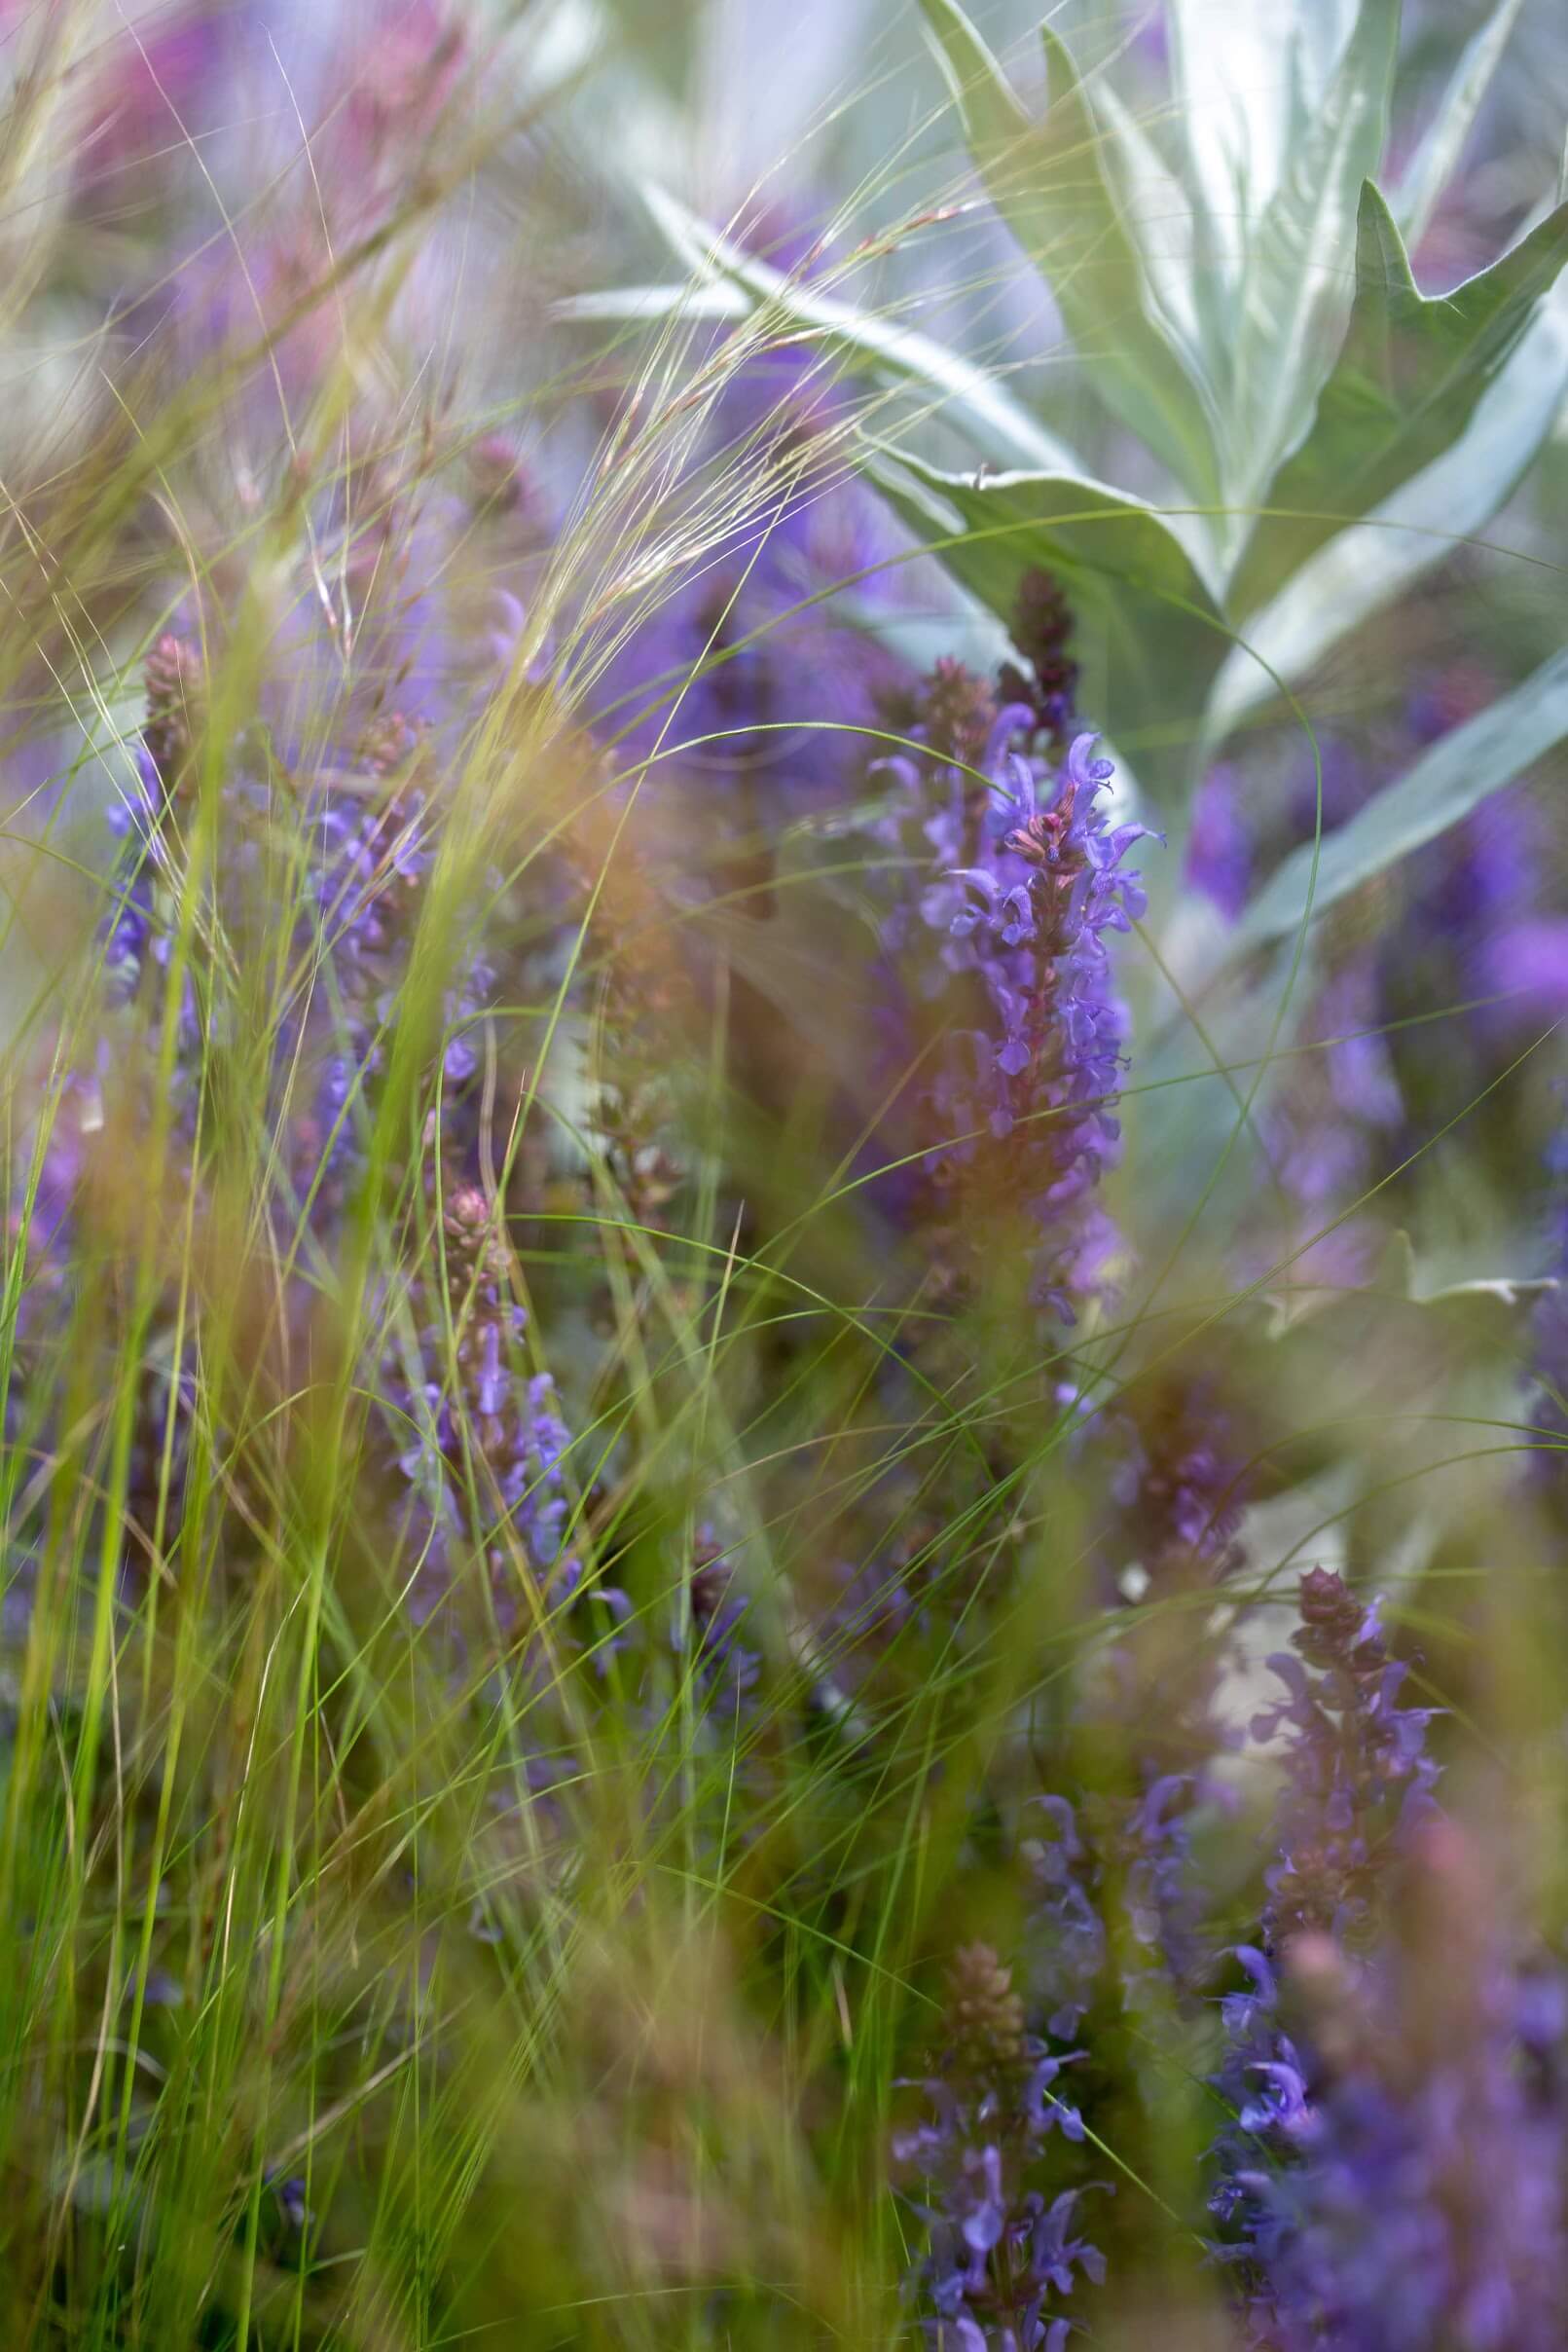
[1296, 288]
[1371, 564]
[1048, 181]
[1410, 376]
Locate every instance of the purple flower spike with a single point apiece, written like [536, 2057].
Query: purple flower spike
[1002, 2256]
[1357, 1795]
[1024, 916]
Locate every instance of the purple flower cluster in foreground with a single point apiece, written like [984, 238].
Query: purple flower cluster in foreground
[484, 1441]
[1356, 1801]
[1394, 2174]
[1425, 2100]
[1003, 2256]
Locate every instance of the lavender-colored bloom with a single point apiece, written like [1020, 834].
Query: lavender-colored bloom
[1034, 887]
[1221, 854]
[1003, 2255]
[1358, 1782]
[1038, 908]
[1357, 1770]
[1428, 2199]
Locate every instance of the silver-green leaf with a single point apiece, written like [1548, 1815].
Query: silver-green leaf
[1406, 383]
[1446, 783]
[1373, 563]
[1048, 181]
[1296, 289]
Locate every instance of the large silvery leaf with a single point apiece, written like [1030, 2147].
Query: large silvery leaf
[1446, 783]
[1249, 80]
[1149, 635]
[1296, 289]
[1410, 376]
[1232, 99]
[1047, 180]
[1434, 161]
[1372, 564]
[1163, 220]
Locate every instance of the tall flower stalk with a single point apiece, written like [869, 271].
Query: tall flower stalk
[1014, 930]
[1004, 2255]
[1358, 1783]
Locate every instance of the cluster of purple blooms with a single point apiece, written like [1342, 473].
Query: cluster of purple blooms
[1394, 2174]
[343, 848]
[348, 846]
[1393, 2178]
[1422, 2203]
[1113, 1902]
[1356, 1773]
[485, 1448]
[1003, 2255]
[1030, 885]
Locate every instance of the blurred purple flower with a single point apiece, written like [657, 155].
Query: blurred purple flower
[1428, 2199]
[1003, 2254]
[1358, 1783]
[1220, 853]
